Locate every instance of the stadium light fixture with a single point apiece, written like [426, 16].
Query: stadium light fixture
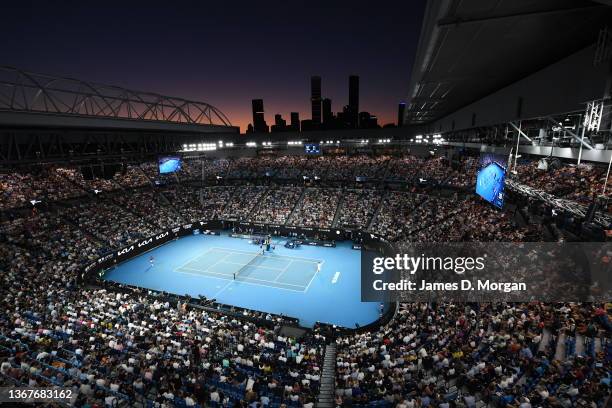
[204, 147]
[251, 144]
[230, 144]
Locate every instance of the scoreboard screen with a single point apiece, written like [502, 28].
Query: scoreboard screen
[491, 178]
[169, 165]
[312, 148]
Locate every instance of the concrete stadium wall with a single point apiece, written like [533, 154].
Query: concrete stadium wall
[561, 87]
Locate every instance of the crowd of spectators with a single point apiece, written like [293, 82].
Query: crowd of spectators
[471, 220]
[277, 205]
[118, 345]
[109, 222]
[470, 355]
[149, 206]
[196, 204]
[317, 208]
[465, 174]
[414, 169]
[393, 216]
[133, 347]
[296, 167]
[18, 188]
[55, 183]
[242, 202]
[357, 208]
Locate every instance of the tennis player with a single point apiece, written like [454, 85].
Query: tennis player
[151, 261]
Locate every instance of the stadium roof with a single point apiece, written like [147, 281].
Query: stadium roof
[471, 48]
[39, 100]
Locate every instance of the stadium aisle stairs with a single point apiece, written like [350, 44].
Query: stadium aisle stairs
[387, 171]
[89, 234]
[377, 211]
[338, 210]
[544, 341]
[328, 378]
[256, 206]
[169, 204]
[296, 206]
[560, 351]
[580, 345]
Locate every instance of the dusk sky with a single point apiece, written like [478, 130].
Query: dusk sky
[224, 53]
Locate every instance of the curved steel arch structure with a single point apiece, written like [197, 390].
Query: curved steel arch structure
[22, 91]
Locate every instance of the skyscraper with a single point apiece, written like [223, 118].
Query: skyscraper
[367, 121]
[328, 116]
[295, 121]
[401, 110]
[278, 120]
[259, 121]
[280, 124]
[315, 99]
[354, 101]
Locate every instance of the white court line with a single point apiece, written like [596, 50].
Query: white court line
[219, 261]
[222, 289]
[247, 282]
[199, 256]
[206, 272]
[256, 266]
[273, 255]
[201, 275]
[313, 276]
[234, 263]
[283, 271]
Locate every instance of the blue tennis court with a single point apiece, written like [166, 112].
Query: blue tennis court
[260, 268]
[309, 283]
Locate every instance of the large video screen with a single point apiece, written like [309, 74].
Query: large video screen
[491, 179]
[312, 148]
[169, 165]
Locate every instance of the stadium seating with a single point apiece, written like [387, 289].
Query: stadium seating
[133, 347]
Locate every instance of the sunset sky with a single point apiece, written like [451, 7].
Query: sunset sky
[224, 53]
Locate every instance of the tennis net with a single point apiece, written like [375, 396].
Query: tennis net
[249, 263]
